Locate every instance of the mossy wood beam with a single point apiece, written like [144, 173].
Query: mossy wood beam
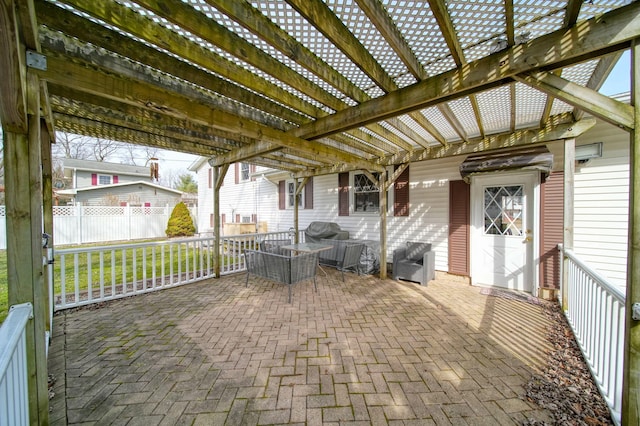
[144, 28]
[129, 70]
[104, 130]
[558, 129]
[573, 10]
[199, 24]
[75, 103]
[256, 22]
[598, 36]
[129, 21]
[13, 102]
[142, 120]
[630, 411]
[155, 98]
[320, 16]
[598, 77]
[615, 112]
[75, 26]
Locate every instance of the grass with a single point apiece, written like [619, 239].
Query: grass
[144, 263]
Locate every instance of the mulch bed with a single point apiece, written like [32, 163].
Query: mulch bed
[566, 388]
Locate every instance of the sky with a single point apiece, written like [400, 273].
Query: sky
[617, 82]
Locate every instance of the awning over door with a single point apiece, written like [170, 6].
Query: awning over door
[533, 158]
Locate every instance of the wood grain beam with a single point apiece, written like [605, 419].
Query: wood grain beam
[601, 35]
[561, 127]
[318, 14]
[440, 12]
[572, 13]
[256, 22]
[13, 102]
[383, 22]
[157, 98]
[599, 75]
[615, 112]
[129, 21]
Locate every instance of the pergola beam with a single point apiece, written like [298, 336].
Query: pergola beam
[598, 36]
[167, 101]
[13, 102]
[615, 112]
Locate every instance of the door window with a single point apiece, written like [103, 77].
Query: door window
[503, 210]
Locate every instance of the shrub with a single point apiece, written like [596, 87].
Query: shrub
[180, 223]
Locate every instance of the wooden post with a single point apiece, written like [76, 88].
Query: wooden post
[219, 173]
[296, 222]
[23, 183]
[296, 185]
[567, 238]
[383, 225]
[216, 222]
[631, 374]
[47, 203]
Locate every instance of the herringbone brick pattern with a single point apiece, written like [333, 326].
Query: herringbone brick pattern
[365, 352]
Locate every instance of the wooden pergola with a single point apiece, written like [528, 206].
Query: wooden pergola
[310, 87]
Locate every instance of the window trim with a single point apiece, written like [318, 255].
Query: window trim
[287, 204]
[100, 176]
[352, 197]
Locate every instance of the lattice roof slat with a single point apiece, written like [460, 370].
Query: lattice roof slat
[321, 84]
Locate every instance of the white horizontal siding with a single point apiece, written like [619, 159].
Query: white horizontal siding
[600, 219]
[601, 204]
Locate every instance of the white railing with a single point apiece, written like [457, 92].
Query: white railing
[14, 394]
[89, 275]
[595, 310]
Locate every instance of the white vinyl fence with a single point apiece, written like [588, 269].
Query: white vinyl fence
[596, 313]
[95, 224]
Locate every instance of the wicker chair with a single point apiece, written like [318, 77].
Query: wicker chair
[351, 258]
[274, 246]
[414, 262]
[287, 270]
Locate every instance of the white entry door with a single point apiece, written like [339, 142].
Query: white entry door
[504, 230]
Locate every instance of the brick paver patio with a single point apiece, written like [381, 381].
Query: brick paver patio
[362, 352]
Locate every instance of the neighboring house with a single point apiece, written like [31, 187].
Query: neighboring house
[93, 183]
[431, 202]
[144, 194]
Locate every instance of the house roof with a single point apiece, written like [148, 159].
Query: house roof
[316, 87]
[105, 167]
[117, 185]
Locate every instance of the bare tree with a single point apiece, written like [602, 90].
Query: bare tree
[104, 148]
[136, 155]
[69, 145]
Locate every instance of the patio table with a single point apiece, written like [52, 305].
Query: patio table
[308, 248]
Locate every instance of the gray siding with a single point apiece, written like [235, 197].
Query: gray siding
[132, 194]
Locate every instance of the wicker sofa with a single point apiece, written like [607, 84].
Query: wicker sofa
[287, 270]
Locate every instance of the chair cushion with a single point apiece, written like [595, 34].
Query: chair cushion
[416, 250]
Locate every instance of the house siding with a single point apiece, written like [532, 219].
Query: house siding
[601, 204]
[137, 195]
